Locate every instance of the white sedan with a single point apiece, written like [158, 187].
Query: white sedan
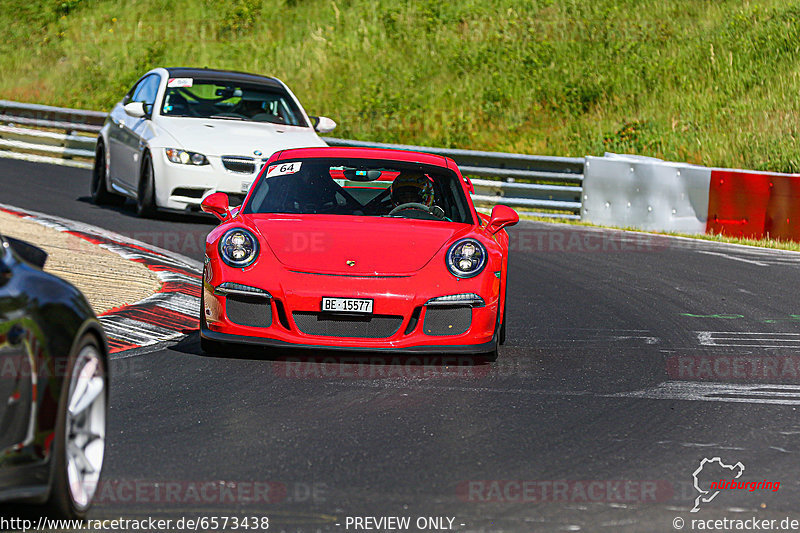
[181, 134]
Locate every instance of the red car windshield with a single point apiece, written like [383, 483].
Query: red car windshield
[360, 187]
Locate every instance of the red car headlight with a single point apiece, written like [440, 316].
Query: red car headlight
[466, 258]
[238, 248]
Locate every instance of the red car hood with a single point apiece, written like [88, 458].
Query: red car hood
[376, 246]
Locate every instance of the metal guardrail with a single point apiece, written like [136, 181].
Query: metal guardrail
[517, 176]
[537, 185]
[46, 116]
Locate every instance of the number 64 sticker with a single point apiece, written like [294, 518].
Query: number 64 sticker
[283, 168]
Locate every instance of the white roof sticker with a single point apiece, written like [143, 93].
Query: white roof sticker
[179, 82]
[283, 168]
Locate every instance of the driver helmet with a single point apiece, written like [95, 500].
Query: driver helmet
[412, 188]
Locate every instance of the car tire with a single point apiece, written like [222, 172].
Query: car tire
[211, 347]
[492, 355]
[502, 337]
[100, 194]
[80, 432]
[146, 196]
[208, 346]
[503, 326]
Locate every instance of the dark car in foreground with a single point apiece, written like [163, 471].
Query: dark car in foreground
[53, 387]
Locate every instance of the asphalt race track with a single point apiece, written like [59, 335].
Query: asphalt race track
[629, 359]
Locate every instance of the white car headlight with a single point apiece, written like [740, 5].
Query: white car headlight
[466, 258]
[238, 248]
[183, 157]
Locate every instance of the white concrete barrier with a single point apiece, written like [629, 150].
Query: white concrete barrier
[645, 193]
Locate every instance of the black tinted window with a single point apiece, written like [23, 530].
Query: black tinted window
[360, 187]
[188, 97]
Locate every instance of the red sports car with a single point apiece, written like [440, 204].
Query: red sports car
[356, 248]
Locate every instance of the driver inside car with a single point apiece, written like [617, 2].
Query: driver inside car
[249, 108]
[413, 188]
[410, 188]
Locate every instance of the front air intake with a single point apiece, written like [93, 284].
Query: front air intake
[333, 325]
[251, 311]
[443, 321]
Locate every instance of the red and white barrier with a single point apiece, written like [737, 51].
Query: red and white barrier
[751, 204]
[655, 195]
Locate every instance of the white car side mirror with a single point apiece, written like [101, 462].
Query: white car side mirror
[134, 109]
[325, 125]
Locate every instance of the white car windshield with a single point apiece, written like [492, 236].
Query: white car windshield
[230, 100]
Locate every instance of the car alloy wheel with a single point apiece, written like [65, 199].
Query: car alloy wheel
[85, 426]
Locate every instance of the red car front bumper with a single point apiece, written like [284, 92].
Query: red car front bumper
[403, 318]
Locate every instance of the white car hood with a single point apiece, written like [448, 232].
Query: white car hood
[217, 137]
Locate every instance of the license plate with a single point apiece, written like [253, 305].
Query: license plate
[246, 186]
[347, 305]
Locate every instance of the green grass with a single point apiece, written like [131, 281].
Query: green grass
[712, 83]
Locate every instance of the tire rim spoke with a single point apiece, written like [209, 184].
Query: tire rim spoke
[75, 486]
[88, 433]
[78, 458]
[92, 388]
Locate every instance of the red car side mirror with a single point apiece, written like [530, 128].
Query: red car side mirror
[502, 216]
[217, 205]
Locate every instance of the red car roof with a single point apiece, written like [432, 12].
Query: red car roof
[366, 153]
